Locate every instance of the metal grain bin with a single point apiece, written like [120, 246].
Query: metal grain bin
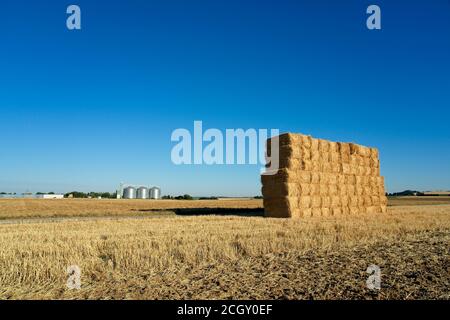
[129, 193]
[142, 193]
[155, 193]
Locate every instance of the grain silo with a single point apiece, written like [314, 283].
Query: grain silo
[155, 193]
[142, 193]
[129, 193]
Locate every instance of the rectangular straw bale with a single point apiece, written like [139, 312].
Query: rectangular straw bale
[281, 207]
[336, 211]
[316, 201]
[344, 148]
[305, 189]
[324, 178]
[323, 189]
[315, 177]
[374, 163]
[360, 171]
[351, 189]
[305, 141]
[284, 189]
[373, 209]
[326, 201]
[315, 155]
[316, 166]
[305, 202]
[353, 201]
[289, 151]
[314, 145]
[315, 189]
[335, 201]
[291, 163]
[336, 167]
[306, 153]
[375, 171]
[350, 179]
[359, 190]
[323, 146]
[325, 212]
[325, 157]
[376, 200]
[353, 148]
[366, 162]
[333, 189]
[316, 212]
[344, 200]
[289, 139]
[374, 153]
[304, 176]
[326, 166]
[334, 147]
[367, 201]
[307, 165]
[332, 178]
[353, 170]
[360, 201]
[354, 210]
[306, 212]
[282, 175]
[335, 157]
[345, 210]
[364, 151]
[345, 158]
[342, 189]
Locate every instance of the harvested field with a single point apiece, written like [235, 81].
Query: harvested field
[417, 201]
[40, 208]
[213, 257]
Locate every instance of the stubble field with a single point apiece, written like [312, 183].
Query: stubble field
[162, 250]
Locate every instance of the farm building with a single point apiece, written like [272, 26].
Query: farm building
[50, 196]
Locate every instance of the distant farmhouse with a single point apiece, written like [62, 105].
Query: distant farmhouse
[49, 196]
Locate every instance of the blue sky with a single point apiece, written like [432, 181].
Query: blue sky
[85, 110]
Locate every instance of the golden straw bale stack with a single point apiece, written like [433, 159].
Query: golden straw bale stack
[317, 177]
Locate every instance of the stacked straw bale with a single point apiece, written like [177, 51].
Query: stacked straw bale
[321, 178]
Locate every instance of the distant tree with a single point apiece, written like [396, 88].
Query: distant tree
[184, 197]
[76, 194]
[406, 193]
[257, 197]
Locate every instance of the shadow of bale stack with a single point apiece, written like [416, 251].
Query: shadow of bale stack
[321, 178]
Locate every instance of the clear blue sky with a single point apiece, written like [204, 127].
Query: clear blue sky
[85, 110]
